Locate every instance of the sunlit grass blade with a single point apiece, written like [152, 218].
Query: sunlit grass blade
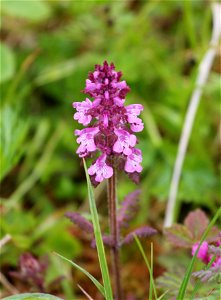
[186, 278]
[152, 284]
[98, 239]
[164, 294]
[94, 280]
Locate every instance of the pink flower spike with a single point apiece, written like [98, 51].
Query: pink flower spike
[111, 126]
[124, 142]
[86, 140]
[133, 161]
[203, 251]
[81, 114]
[101, 169]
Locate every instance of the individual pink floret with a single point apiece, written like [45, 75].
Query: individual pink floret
[133, 161]
[137, 125]
[86, 140]
[90, 86]
[118, 101]
[82, 111]
[101, 169]
[124, 142]
[133, 111]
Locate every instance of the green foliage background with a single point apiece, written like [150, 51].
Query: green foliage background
[47, 49]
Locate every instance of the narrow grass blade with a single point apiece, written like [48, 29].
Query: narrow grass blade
[199, 282]
[94, 280]
[151, 270]
[186, 278]
[99, 240]
[148, 266]
[164, 294]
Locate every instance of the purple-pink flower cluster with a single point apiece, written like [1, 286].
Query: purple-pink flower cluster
[204, 254]
[110, 124]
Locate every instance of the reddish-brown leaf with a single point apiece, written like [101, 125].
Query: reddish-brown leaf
[179, 235]
[197, 223]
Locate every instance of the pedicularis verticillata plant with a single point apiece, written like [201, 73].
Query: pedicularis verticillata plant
[109, 138]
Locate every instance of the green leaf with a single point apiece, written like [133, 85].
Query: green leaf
[56, 72]
[63, 69]
[13, 131]
[7, 63]
[94, 280]
[31, 10]
[32, 296]
[98, 239]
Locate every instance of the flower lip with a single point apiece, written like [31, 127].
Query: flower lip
[124, 142]
[133, 161]
[82, 114]
[100, 169]
[137, 125]
[86, 140]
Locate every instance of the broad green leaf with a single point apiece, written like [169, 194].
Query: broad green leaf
[31, 10]
[7, 63]
[94, 280]
[98, 239]
[32, 296]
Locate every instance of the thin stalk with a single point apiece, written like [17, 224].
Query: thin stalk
[112, 207]
[203, 74]
[151, 269]
[199, 283]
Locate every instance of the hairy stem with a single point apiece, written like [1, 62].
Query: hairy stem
[114, 231]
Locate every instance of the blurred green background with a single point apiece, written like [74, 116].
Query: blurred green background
[47, 50]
